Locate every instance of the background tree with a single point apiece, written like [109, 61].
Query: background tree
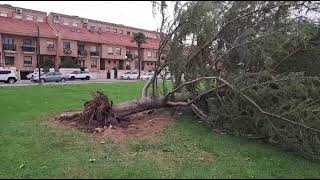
[69, 63]
[139, 38]
[46, 64]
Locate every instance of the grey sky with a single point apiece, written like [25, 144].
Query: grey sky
[131, 13]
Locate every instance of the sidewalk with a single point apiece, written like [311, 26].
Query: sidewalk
[98, 81]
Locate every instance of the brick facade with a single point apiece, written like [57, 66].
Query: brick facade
[94, 44]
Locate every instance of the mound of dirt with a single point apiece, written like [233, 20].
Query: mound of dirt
[140, 125]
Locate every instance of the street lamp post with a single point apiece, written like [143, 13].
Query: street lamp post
[38, 53]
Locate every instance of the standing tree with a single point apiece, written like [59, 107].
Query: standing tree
[139, 38]
[46, 64]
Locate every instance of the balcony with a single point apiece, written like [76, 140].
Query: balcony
[129, 57]
[82, 53]
[51, 48]
[94, 53]
[9, 47]
[28, 48]
[67, 51]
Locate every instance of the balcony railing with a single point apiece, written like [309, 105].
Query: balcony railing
[28, 48]
[82, 52]
[67, 51]
[94, 53]
[9, 47]
[50, 48]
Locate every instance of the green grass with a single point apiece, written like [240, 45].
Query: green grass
[187, 150]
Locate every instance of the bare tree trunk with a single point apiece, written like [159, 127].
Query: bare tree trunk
[140, 105]
[139, 61]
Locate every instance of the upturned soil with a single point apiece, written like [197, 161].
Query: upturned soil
[141, 125]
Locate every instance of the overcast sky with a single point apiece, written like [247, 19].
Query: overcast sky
[137, 14]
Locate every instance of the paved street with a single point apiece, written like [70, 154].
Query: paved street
[29, 83]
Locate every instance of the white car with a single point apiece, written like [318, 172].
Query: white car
[8, 76]
[146, 76]
[83, 75]
[33, 75]
[130, 75]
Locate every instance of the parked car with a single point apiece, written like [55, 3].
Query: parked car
[130, 75]
[147, 76]
[8, 76]
[166, 76]
[83, 75]
[50, 77]
[34, 74]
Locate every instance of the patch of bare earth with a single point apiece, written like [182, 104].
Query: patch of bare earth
[138, 126]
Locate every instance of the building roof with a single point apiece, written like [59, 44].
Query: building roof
[85, 35]
[25, 28]
[24, 9]
[29, 28]
[102, 22]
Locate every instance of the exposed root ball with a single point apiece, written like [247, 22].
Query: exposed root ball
[97, 113]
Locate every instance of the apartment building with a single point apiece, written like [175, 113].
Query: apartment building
[97, 45]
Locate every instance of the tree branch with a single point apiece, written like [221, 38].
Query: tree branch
[191, 57]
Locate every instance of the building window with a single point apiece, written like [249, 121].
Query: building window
[66, 45]
[66, 23]
[154, 54]
[8, 60]
[149, 53]
[27, 61]
[80, 62]
[50, 44]
[92, 27]
[81, 47]
[114, 62]
[115, 30]
[29, 18]
[8, 44]
[151, 64]
[3, 14]
[121, 31]
[40, 19]
[109, 62]
[27, 42]
[18, 16]
[9, 41]
[27, 45]
[94, 63]
[110, 50]
[118, 51]
[128, 33]
[75, 24]
[94, 51]
[148, 64]
[93, 48]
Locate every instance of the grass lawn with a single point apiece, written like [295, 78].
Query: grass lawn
[187, 150]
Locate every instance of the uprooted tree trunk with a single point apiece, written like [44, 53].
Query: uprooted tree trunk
[100, 111]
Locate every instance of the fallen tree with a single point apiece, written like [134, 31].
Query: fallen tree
[235, 47]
